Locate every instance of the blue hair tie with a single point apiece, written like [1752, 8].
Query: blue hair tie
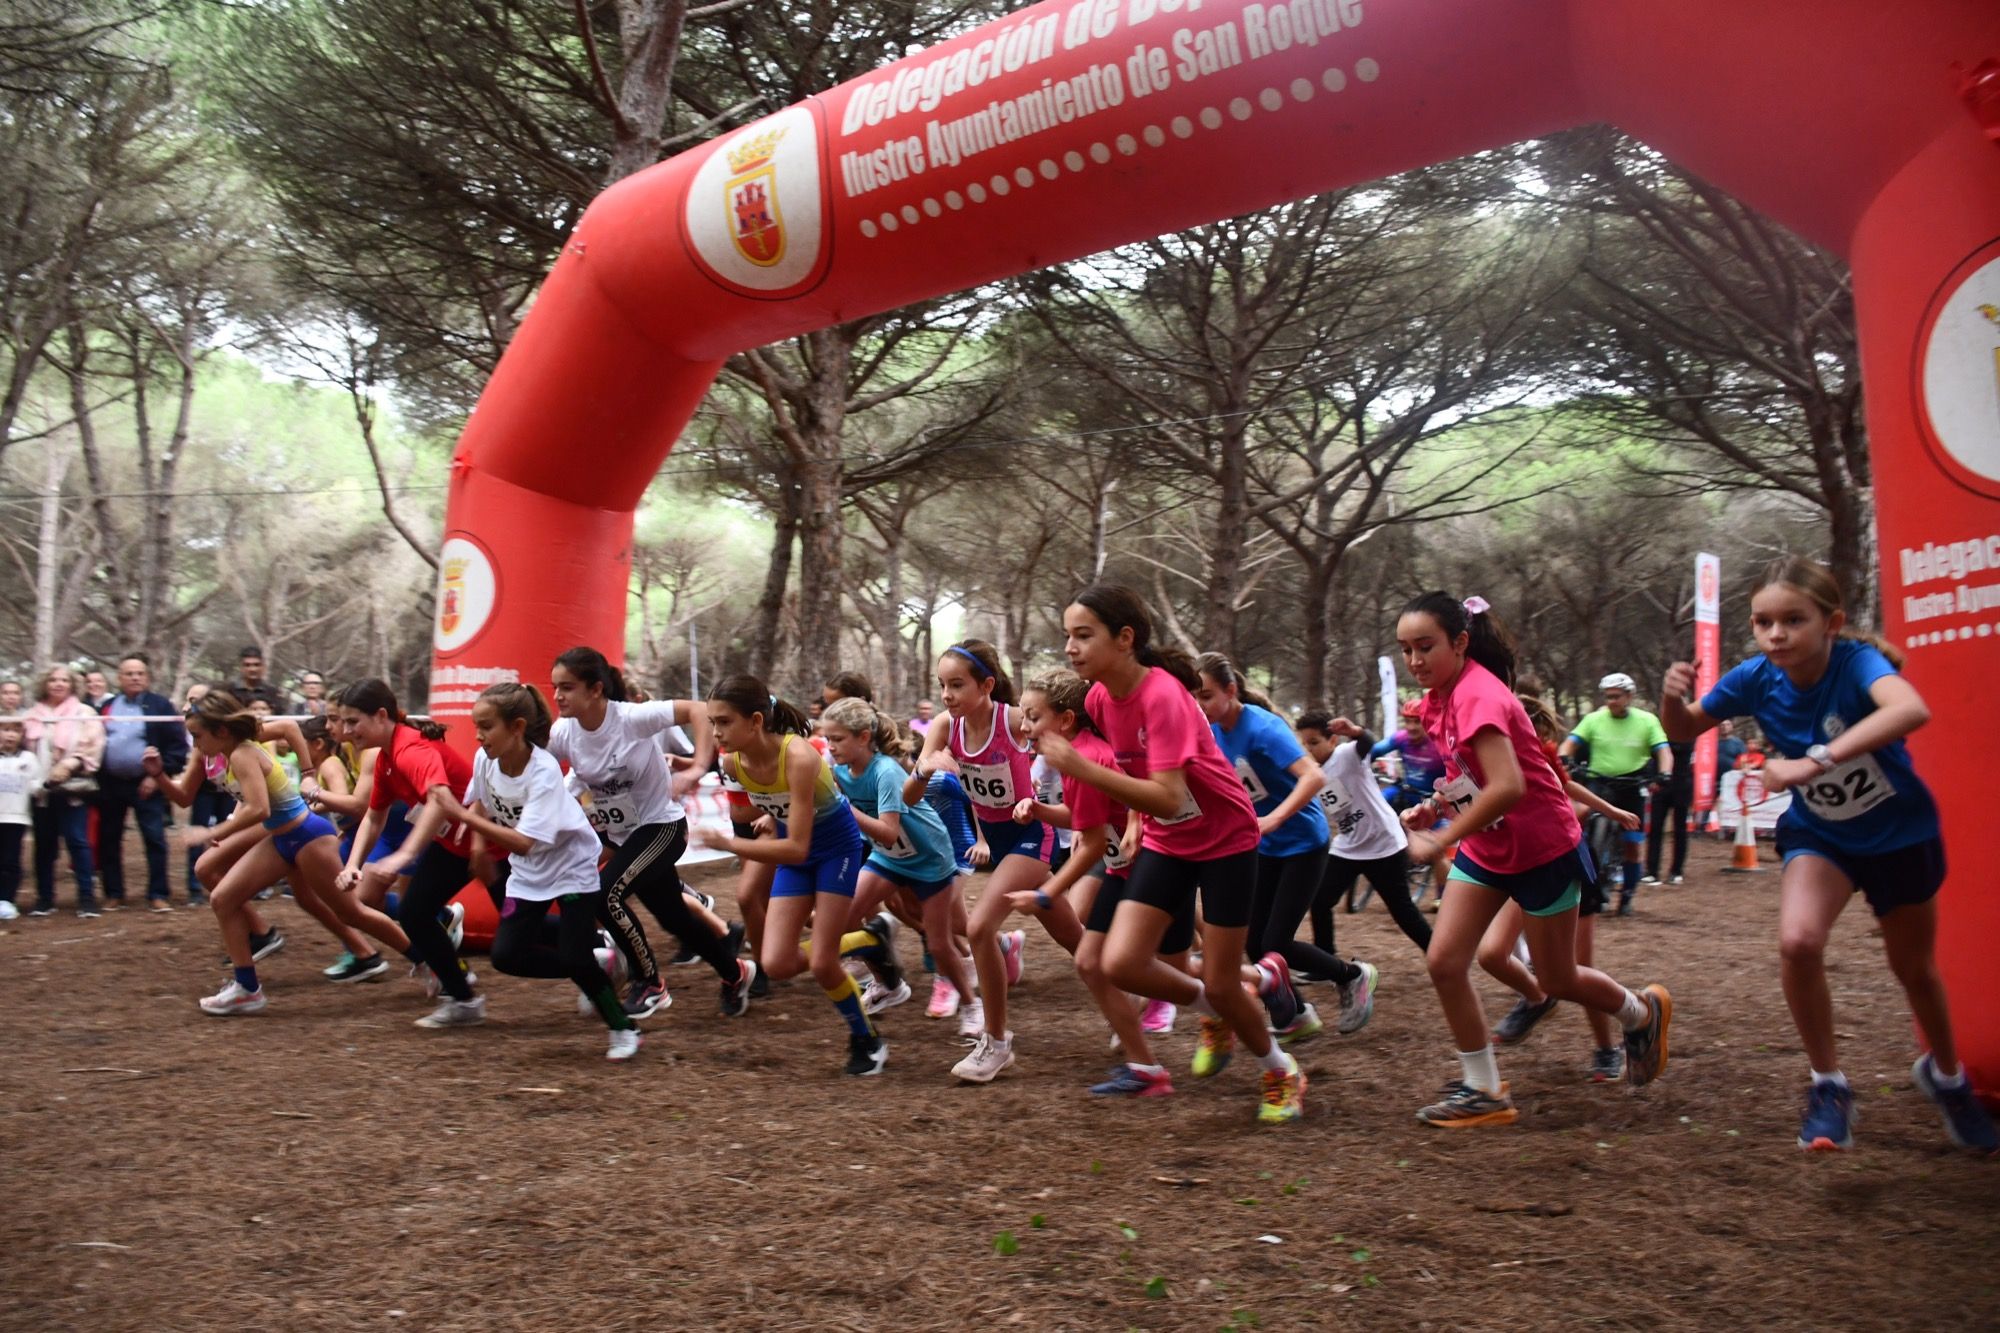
[973, 658]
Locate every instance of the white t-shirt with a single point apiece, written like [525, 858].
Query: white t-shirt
[1359, 822]
[621, 767]
[1048, 790]
[20, 774]
[564, 857]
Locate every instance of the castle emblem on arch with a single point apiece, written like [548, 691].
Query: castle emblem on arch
[750, 200]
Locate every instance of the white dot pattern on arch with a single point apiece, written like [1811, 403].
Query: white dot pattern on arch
[1333, 79]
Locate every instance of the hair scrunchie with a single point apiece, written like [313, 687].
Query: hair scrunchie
[1475, 605]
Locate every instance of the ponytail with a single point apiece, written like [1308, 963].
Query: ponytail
[1066, 692]
[1488, 641]
[749, 696]
[593, 668]
[516, 702]
[1117, 607]
[373, 695]
[222, 713]
[1224, 673]
[855, 714]
[984, 659]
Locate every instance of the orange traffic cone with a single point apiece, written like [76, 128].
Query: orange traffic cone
[1745, 860]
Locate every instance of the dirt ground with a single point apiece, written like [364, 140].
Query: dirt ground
[327, 1165]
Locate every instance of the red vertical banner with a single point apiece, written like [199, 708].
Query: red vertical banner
[1707, 667]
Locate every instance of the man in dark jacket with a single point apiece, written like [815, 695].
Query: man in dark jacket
[123, 784]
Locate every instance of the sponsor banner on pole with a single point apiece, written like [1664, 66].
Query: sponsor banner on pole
[1707, 668]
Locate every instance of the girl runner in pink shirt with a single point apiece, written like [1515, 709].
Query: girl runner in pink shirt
[985, 742]
[1199, 832]
[1518, 840]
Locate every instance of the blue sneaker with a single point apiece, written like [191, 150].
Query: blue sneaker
[1829, 1122]
[1964, 1118]
[1126, 1081]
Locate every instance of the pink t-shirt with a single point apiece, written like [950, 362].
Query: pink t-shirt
[1160, 726]
[1541, 826]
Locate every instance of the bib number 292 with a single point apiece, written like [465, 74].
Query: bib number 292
[1852, 789]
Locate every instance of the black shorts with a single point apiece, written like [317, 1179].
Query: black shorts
[1591, 903]
[1888, 880]
[1540, 890]
[1180, 931]
[1227, 885]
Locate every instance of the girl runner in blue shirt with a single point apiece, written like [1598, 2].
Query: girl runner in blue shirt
[1861, 820]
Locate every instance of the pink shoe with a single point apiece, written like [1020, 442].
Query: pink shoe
[1158, 1017]
[1012, 943]
[944, 999]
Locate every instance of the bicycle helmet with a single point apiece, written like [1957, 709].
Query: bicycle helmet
[1618, 680]
[1414, 708]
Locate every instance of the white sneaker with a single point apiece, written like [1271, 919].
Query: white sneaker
[1158, 1017]
[233, 999]
[613, 963]
[454, 925]
[624, 1044]
[1678, 879]
[988, 1058]
[1357, 1000]
[972, 1018]
[452, 1013]
[875, 997]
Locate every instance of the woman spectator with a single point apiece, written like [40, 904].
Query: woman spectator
[69, 739]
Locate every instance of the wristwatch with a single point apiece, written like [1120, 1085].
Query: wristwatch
[1822, 756]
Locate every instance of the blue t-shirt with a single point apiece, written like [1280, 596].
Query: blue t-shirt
[1263, 748]
[923, 852]
[1871, 804]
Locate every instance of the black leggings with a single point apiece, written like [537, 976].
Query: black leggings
[643, 867]
[1390, 876]
[434, 881]
[1286, 886]
[521, 948]
[1672, 803]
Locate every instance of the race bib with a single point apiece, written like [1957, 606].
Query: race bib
[902, 849]
[609, 813]
[1846, 791]
[1333, 798]
[1190, 809]
[1114, 848]
[989, 785]
[1457, 793]
[11, 784]
[1251, 782]
[776, 804]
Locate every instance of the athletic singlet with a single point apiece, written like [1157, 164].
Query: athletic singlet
[775, 798]
[999, 775]
[286, 803]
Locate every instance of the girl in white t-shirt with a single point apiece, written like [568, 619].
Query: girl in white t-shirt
[1366, 838]
[20, 775]
[516, 803]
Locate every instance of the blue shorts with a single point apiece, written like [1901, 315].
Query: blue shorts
[836, 869]
[924, 889]
[1005, 838]
[395, 829]
[1543, 890]
[1888, 880]
[309, 830]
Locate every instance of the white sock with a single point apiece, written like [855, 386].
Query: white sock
[1481, 1070]
[1278, 1059]
[1838, 1079]
[1148, 1069]
[1635, 1013]
[1957, 1080]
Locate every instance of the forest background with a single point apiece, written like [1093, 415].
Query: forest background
[257, 258]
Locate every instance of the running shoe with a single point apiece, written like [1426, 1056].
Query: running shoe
[1013, 943]
[1964, 1118]
[944, 999]
[643, 1000]
[1157, 1018]
[684, 955]
[624, 1044]
[88, 913]
[990, 1056]
[1519, 1021]
[1125, 1081]
[1213, 1052]
[1284, 1096]
[232, 1000]
[1678, 879]
[972, 1019]
[875, 997]
[707, 902]
[866, 1054]
[9, 912]
[454, 925]
[340, 965]
[881, 956]
[1466, 1107]
[1357, 999]
[1828, 1125]
[154, 905]
[362, 969]
[1625, 904]
[1607, 1064]
[1649, 879]
[1646, 1049]
[736, 994]
[50, 911]
[452, 1013]
[1307, 1024]
[196, 900]
[1281, 1002]
[760, 984]
[263, 946]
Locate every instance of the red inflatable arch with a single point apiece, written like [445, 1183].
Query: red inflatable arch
[1076, 125]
